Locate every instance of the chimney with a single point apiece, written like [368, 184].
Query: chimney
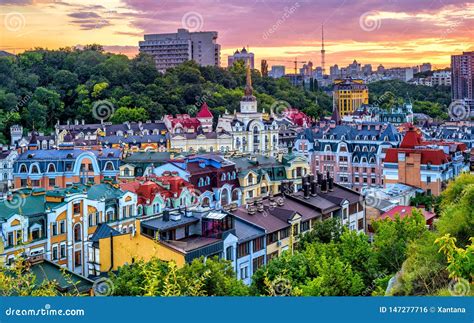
[76, 122]
[324, 186]
[82, 121]
[331, 184]
[166, 215]
[320, 178]
[306, 190]
[251, 209]
[314, 188]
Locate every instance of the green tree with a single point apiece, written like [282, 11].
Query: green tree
[129, 114]
[392, 238]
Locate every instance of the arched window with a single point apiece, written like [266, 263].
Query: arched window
[233, 175]
[208, 180]
[365, 149]
[23, 168]
[126, 171]
[372, 160]
[363, 160]
[223, 177]
[201, 182]
[356, 159]
[228, 176]
[109, 166]
[51, 168]
[356, 148]
[34, 169]
[77, 232]
[250, 179]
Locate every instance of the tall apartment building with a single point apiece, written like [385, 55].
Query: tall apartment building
[170, 50]
[462, 77]
[243, 55]
[349, 94]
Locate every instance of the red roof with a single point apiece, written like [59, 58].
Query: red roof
[296, 116]
[204, 112]
[432, 156]
[404, 211]
[412, 143]
[412, 139]
[167, 186]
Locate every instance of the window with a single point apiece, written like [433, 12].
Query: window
[51, 168]
[54, 255]
[10, 241]
[223, 177]
[77, 233]
[35, 234]
[54, 228]
[243, 249]
[91, 220]
[23, 169]
[428, 179]
[77, 258]
[35, 183]
[284, 233]
[258, 244]
[97, 218]
[250, 179]
[304, 226]
[244, 272]
[77, 208]
[360, 224]
[272, 238]
[296, 230]
[62, 227]
[52, 181]
[62, 251]
[109, 166]
[257, 263]
[229, 252]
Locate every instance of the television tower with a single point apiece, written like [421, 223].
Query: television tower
[323, 51]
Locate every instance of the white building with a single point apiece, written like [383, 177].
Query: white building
[250, 132]
[7, 158]
[170, 50]
[243, 55]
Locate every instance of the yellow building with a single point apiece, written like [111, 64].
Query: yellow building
[349, 94]
[111, 249]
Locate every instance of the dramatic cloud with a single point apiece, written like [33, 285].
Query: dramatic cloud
[393, 32]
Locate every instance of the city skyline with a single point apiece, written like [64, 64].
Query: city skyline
[395, 33]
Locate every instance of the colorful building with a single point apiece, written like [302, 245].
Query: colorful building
[157, 193]
[428, 165]
[64, 167]
[349, 94]
[214, 178]
[57, 224]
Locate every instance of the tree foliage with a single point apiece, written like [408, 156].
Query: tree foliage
[45, 86]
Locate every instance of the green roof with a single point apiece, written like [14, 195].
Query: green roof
[66, 280]
[106, 191]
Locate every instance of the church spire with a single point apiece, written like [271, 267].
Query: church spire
[248, 86]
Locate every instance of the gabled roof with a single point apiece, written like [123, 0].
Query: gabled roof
[204, 112]
[103, 231]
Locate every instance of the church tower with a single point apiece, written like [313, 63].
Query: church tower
[248, 104]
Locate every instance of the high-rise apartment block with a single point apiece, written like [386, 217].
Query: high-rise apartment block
[170, 50]
[462, 77]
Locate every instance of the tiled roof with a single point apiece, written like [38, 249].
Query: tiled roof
[204, 112]
[404, 211]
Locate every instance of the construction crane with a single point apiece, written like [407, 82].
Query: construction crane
[295, 61]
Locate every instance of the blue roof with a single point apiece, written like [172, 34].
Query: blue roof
[68, 154]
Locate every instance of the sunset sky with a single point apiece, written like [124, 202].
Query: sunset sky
[390, 32]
